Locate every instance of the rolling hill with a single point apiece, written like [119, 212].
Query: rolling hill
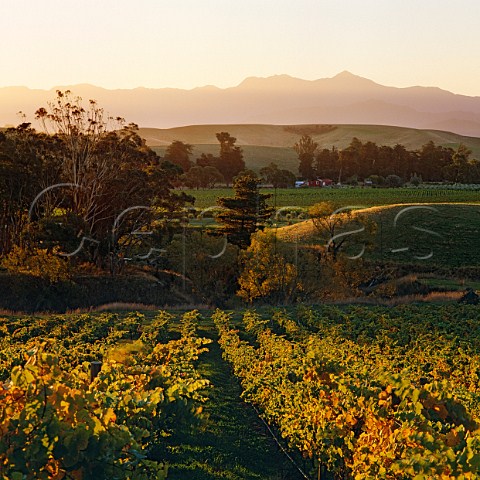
[263, 144]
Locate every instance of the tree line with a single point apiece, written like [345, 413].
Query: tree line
[364, 160]
[382, 164]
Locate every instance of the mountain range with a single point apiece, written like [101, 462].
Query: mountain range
[280, 99]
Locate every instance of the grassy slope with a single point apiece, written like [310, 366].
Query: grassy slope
[455, 243]
[254, 139]
[267, 135]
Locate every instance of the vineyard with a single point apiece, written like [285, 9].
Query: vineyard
[368, 197]
[145, 415]
[366, 392]
[347, 392]
[59, 420]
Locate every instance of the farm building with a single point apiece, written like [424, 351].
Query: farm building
[326, 182]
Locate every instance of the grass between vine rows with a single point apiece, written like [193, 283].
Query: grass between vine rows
[233, 443]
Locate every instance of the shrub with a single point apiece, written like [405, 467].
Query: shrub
[377, 180]
[393, 181]
[37, 263]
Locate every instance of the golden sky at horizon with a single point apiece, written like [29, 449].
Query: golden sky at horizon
[190, 43]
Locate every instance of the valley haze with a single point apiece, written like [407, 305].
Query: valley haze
[280, 99]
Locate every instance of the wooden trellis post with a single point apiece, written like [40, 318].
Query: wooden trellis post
[95, 368]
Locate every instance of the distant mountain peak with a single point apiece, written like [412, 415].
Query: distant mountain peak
[346, 74]
[277, 80]
[207, 88]
[347, 77]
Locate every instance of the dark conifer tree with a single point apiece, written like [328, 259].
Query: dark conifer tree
[246, 212]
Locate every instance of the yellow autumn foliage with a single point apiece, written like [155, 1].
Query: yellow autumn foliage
[37, 263]
[266, 272]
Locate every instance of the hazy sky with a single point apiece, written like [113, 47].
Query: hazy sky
[189, 43]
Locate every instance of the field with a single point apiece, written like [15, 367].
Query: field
[316, 392]
[368, 197]
[349, 392]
